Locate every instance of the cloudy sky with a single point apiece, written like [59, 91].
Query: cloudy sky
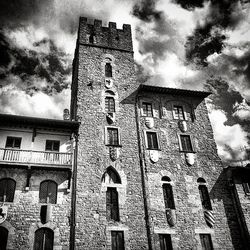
[197, 44]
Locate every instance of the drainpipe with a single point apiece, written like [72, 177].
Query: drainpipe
[73, 197]
[143, 175]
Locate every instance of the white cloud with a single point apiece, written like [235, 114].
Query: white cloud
[228, 136]
[242, 110]
[16, 101]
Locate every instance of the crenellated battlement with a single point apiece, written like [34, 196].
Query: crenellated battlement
[109, 37]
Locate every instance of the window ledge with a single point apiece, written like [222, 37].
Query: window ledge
[111, 145]
[156, 149]
[193, 152]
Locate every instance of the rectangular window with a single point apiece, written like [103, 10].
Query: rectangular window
[206, 242]
[112, 136]
[13, 142]
[205, 199]
[178, 112]
[117, 238]
[165, 242]
[109, 105]
[246, 187]
[152, 140]
[168, 196]
[147, 109]
[52, 145]
[112, 204]
[186, 144]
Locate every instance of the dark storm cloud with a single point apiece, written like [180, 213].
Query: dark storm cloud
[27, 64]
[20, 12]
[145, 10]
[223, 97]
[204, 42]
[209, 38]
[190, 4]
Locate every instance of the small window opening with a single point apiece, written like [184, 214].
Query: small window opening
[44, 239]
[205, 199]
[206, 242]
[112, 136]
[147, 109]
[152, 140]
[48, 192]
[186, 144]
[112, 204]
[7, 190]
[108, 70]
[168, 196]
[117, 240]
[109, 104]
[165, 242]
[178, 113]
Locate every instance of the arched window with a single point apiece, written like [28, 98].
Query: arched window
[108, 70]
[3, 238]
[205, 199]
[109, 104]
[44, 238]
[111, 176]
[112, 204]
[48, 192]
[7, 190]
[168, 195]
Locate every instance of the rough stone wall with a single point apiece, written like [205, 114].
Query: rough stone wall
[24, 212]
[245, 203]
[172, 163]
[93, 231]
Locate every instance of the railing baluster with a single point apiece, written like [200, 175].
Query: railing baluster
[35, 157]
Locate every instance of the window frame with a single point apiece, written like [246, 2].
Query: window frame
[177, 117]
[44, 231]
[171, 204]
[108, 70]
[107, 136]
[107, 109]
[53, 142]
[47, 192]
[191, 143]
[122, 243]
[13, 143]
[146, 139]
[5, 190]
[147, 111]
[165, 242]
[112, 208]
[246, 188]
[209, 239]
[204, 197]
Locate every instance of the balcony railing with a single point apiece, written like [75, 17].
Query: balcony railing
[19, 156]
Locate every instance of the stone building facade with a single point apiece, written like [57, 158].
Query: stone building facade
[36, 160]
[151, 149]
[136, 166]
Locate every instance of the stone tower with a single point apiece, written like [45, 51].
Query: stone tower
[148, 174]
[108, 161]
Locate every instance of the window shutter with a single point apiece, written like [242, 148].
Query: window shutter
[52, 192]
[43, 192]
[108, 203]
[2, 189]
[168, 196]
[115, 205]
[206, 242]
[108, 70]
[10, 190]
[155, 110]
[3, 237]
[117, 238]
[246, 188]
[165, 242]
[44, 238]
[49, 238]
[205, 199]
